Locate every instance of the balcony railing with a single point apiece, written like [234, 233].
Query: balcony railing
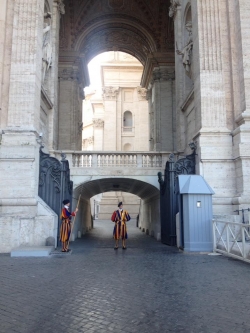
[110, 159]
[88, 160]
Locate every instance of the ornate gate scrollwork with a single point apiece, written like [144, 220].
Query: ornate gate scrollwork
[168, 193]
[54, 182]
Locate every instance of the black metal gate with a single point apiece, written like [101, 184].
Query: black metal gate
[168, 194]
[54, 182]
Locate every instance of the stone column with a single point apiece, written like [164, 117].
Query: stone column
[162, 109]
[98, 125]
[70, 107]
[110, 118]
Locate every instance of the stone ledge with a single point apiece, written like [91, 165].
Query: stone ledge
[31, 251]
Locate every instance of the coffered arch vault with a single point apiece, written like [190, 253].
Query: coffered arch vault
[141, 28]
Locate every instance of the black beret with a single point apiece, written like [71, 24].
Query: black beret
[66, 201]
[119, 204]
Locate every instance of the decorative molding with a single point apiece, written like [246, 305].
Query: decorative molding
[173, 7]
[116, 4]
[98, 123]
[142, 93]
[188, 100]
[46, 98]
[116, 39]
[110, 92]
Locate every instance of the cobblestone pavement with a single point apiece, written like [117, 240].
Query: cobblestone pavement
[148, 288]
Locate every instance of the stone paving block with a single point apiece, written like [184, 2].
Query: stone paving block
[150, 288]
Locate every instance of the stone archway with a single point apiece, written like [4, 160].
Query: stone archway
[149, 207]
[136, 27]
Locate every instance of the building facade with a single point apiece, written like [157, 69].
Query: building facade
[195, 56]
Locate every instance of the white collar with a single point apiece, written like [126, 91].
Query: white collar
[66, 207]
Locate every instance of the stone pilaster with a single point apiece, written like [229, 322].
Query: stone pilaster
[26, 63]
[98, 125]
[70, 107]
[211, 111]
[240, 11]
[19, 146]
[58, 10]
[162, 109]
[110, 95]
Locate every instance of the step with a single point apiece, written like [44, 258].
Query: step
[31, 251]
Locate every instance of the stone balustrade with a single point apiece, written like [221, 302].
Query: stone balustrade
[101, 159]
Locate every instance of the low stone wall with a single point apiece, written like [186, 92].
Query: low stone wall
[149, 217]
[24, 230]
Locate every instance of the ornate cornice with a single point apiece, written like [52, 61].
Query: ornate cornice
[98, 123]
[142, 93]
[173, 7]
[110, 92]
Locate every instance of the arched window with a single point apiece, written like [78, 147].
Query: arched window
[127, 121]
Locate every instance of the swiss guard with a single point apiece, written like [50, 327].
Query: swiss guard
[66, 225]
[120, 217]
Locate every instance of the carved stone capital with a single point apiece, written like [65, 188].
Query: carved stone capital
[173, 7]
[110, 92]
[142, 93]
[88, 141]
[68, 74]
[98, 123]
[61, 6]
[163, 74]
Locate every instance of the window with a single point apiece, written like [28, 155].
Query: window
[127, 121]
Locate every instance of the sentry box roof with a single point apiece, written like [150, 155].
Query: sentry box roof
[193, 184]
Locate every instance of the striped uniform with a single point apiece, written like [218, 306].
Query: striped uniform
[120, 229]
[65, 226]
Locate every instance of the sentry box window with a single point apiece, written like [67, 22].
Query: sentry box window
[198, 204]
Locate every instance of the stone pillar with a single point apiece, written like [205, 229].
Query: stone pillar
[98, 125]
[70, 107]
[210, 70]
[141, 125]
[175, 11]
[110, 118]
[3, 27]
[239, 19]
[58, 10]
[19, 149]
[162, 109]
[150, 119]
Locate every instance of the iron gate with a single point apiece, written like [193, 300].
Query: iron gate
[168, 194]
[54, 182]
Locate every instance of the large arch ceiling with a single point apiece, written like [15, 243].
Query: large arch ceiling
[141, 28]
[134, 186]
